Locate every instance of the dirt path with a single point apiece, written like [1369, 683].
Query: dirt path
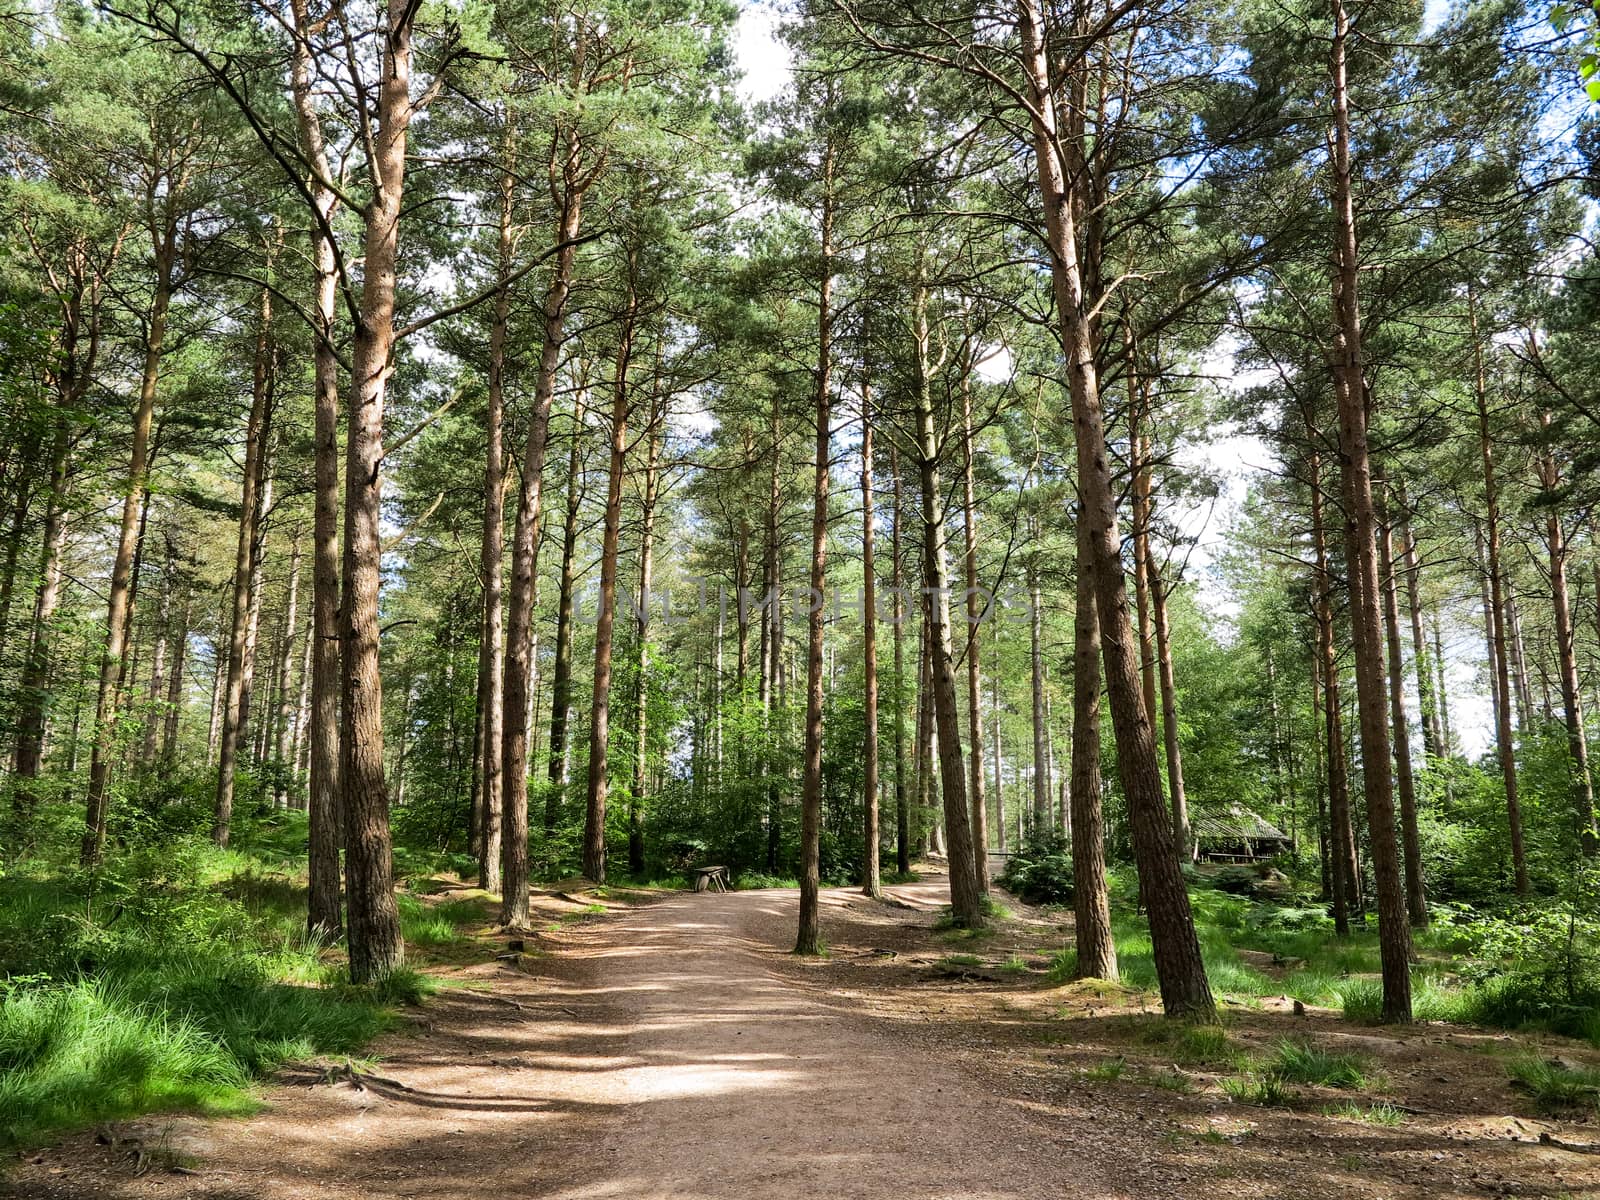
[677, 1051]
[672, 1051]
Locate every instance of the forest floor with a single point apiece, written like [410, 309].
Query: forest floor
[665, 1046]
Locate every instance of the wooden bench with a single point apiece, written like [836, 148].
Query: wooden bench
[711, 879]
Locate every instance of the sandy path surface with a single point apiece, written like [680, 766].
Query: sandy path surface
[672, 1051]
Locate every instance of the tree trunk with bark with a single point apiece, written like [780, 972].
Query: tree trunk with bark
[871, 873]
[1499, 639]
[282, 767]
[324, 916]
[566, 597]
[525, 550]
[1410, 836]
[902, 801]
[1178, 794]
[1433, 743]
[1566, 654]
[490, 722]
[258, 429]
[1091, 901]
[1394, 934]
[34, 684]
[594, 818]
[641, 709]
[966, 900]
[373, 921]
[975, 617]
[808, 934]
[1179, 965]
[1041, 770]
[164, 236]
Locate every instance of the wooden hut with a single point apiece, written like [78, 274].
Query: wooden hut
[1237, 835]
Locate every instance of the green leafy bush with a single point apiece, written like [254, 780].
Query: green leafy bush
[1041, 871]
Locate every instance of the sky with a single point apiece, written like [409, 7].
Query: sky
[761, 57]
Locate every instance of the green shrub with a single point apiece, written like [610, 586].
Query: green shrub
[1040, 872]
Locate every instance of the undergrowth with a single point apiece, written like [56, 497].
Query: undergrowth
[1523, 969]
[172, 979]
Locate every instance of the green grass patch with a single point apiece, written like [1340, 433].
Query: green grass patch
[747, 881]
[1379, 1113]
[1172, 1081]
[1300, 1060]
[1262, 1090]
[1554, 1087]
[1109, 1069]
[171, 978]
[424, 924]
[1195, 1044]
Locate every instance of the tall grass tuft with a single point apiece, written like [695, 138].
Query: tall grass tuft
[1303, 1061]
[1555, 1087]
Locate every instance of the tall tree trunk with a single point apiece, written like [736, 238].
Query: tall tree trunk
[1499, 639]
[1091, 902]
[1394, 932]
[1490, 656]
[257, 432]
[282, 766]
[252, 630]
[1433, 743]
[999, 784]
[1139, 453]
[975, 617]
[922, 759]
[373, 922]
[1179, 966]
[1326, 860]
[325, 836]
[966, 900]
[1041, 771]
[594, 817]
[741, 610]
[302, 713]
[158, 661]
[1443, 692]
[807, 936]
[1342, 872]
[525, 549]
[21, 503]
[902, 801]
[33, 687]
[1410, 836]
[1566, 654]
[641, 710]
[771, 649]
[174, 709]
[567, 589]
[219, 687]
[113, 659]
[1177, 792]
[1519, 660]
[490, 722]
[871, 872]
